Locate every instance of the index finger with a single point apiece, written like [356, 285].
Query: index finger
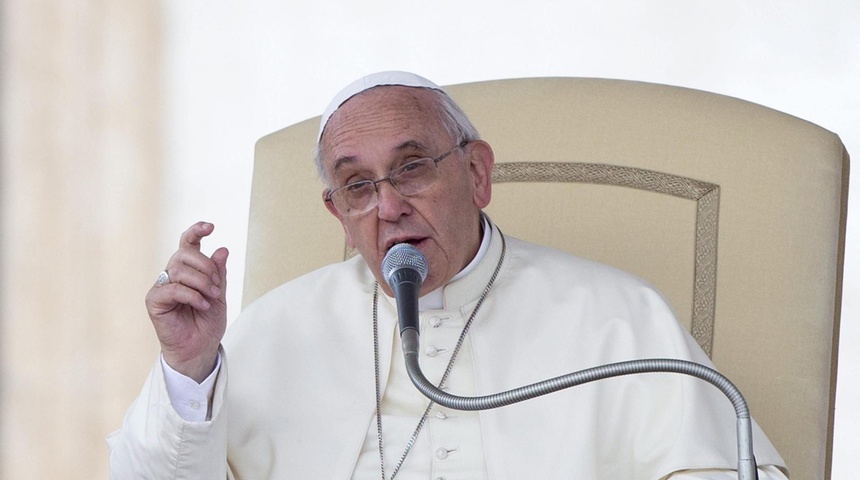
[195, 233]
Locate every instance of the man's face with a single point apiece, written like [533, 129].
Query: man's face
[381, 129]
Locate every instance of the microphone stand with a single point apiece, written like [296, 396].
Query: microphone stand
[747, 469]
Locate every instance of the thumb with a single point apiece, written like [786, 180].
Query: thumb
[220, 259]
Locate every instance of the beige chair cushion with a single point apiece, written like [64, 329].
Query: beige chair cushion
[736, 212]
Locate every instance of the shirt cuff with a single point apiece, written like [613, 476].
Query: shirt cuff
[189, 398]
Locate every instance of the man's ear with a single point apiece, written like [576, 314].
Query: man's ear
[481, 161]
[330, 207]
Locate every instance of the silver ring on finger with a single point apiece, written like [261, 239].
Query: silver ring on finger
[163, 278]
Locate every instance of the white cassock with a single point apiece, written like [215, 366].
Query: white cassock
[301, 396]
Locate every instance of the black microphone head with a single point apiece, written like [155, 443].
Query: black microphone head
[403, 255]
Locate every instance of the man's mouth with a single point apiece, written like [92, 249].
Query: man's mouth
[415, 242]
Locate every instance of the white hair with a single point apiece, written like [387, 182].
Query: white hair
[453, 119]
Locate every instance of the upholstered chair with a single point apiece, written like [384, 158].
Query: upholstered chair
[736, 212]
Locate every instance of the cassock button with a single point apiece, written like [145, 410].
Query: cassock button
[435, 322]
[441, 415]
[432, 350]
[441, 453]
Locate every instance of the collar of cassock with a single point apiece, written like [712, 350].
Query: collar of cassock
[435, 300]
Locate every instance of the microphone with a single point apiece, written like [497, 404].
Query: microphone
[404, 268]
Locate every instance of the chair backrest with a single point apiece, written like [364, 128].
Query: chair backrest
[736, 212]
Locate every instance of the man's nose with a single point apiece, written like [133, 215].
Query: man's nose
[392, 204]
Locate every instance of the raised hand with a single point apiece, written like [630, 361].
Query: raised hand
[188, 307]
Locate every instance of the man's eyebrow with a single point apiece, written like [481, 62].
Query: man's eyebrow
[342, 160]
[409, 145]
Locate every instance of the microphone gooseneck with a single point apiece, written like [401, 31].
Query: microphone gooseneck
[747, 469]
[404, 268]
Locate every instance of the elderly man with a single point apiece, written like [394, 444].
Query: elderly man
[317, 386]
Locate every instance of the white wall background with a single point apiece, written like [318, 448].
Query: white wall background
[240, 70]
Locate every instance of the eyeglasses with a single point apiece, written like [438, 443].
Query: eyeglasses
[409, 179]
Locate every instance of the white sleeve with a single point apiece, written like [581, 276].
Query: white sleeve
[190, 399]
[767, 472]
[155, 442]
